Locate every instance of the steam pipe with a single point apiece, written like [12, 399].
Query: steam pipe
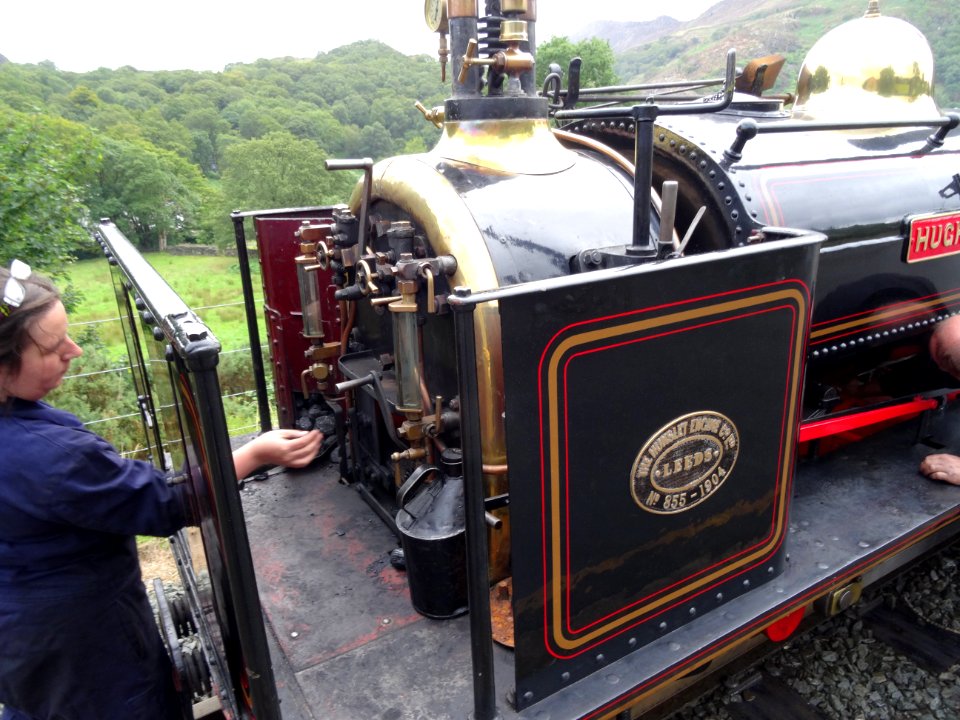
[366, 165]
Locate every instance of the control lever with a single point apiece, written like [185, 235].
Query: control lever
[668, 213]
[373, 380]
[693, 226]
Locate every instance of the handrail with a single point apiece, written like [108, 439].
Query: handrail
[749, 128]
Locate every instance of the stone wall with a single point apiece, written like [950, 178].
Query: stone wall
[191, 249]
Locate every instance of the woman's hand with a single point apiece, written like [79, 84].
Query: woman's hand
[291, 448]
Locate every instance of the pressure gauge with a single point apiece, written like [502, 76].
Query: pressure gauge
[435, 13]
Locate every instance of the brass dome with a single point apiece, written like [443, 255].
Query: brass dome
[871, 68]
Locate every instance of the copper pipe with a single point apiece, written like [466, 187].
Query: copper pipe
[424, 393]
[350, 314]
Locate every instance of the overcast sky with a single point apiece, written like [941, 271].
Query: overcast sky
[209, 34]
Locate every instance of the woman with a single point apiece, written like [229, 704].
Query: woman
[77, 636]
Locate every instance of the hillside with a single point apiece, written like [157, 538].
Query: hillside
[168, 154]
[625, 36]
[665, 49]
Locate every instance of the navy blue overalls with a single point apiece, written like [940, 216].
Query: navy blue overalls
[77, 635]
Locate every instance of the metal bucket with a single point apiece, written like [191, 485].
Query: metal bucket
[433, 536]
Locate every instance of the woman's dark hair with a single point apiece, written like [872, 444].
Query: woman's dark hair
[40, 295]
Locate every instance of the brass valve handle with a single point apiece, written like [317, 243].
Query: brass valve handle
[365, 279]
[514, 61]
[470, 59]
[323, 255]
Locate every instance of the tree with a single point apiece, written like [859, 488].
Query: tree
[207, 127]
[557, 50]
[166, 134]
[596, 54]
[256, 122]
[46, 165]
[82, 102]
[377, 142]
[151, 194]
[313, 124]
[414, 145]
[27, 88]
[278, 170]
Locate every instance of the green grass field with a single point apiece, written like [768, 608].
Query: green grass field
[210, 285]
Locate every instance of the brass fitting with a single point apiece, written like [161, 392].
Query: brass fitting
[365, 278]
[513, 31]
[841, 598]
[508, 7]
[319, 372]
[412, 430]
[435, 115]
[513, 61]
[317, 353]
[409, 454]
[310, 232]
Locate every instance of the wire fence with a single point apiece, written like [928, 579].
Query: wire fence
[124, 368]
[235, 430]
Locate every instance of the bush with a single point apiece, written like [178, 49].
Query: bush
[100, 392]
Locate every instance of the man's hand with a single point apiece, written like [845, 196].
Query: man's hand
[942, 466]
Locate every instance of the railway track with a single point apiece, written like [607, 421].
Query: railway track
[895, 655]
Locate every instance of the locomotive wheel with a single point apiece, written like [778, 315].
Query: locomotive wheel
[172, 643]
[197, 672]
[182, 619]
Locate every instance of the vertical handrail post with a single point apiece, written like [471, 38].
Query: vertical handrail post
[253, 329]
[478, 585]
[644, 117]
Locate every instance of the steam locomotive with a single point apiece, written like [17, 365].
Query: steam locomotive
[587, 359]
